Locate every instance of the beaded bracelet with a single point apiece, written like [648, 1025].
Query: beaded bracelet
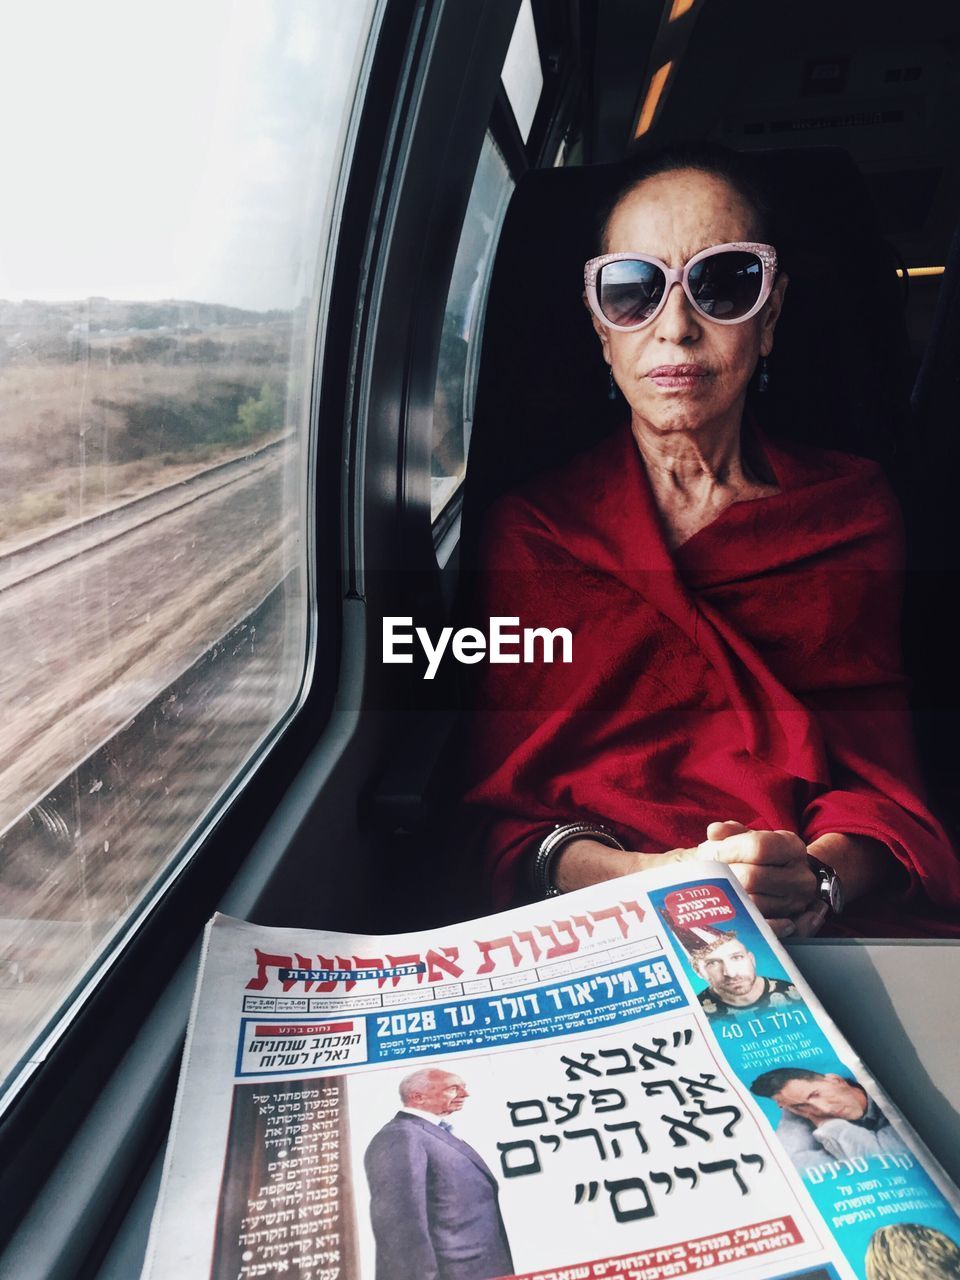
[551, 845]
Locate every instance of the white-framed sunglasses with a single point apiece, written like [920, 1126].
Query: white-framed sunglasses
[727, 284]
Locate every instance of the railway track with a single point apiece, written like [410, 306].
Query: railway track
[97, 620]
[51, 550]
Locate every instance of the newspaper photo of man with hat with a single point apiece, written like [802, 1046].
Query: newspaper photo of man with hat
[730, 972]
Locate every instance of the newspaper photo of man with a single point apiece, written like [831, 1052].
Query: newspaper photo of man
[825, 1116]
[909, 1251]
[729, 969]
[434, 1203]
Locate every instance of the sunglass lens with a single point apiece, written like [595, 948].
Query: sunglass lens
[629, 291]
[726, 285]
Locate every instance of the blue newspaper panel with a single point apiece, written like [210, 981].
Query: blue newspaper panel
[866, 1183]
[298, 1045]
[594, 1002]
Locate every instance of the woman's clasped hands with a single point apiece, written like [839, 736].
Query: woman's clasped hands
[774, 869]
[772, 866]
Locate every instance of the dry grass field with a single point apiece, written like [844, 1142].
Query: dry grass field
[86, 424]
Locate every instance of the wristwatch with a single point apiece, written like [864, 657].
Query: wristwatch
[829, 888]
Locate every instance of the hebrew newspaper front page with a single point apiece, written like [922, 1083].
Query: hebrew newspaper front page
[631, 1082]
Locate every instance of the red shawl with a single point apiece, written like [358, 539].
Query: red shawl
[752, 674]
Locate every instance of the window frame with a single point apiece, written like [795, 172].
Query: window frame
[446, 523]
[556, 42]
[99, 1093]
[86, 1134]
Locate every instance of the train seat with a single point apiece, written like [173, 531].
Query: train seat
[934, 547]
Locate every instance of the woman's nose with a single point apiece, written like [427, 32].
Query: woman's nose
[678, 321]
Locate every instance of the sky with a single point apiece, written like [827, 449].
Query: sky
[184, 150]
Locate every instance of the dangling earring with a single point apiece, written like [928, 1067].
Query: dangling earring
[764, 381]
[612, 388]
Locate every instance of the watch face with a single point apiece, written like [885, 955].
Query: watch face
[835, 891]
[829, 887]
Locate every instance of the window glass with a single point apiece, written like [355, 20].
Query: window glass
[522, 75]
[168, 191]
[463, 325]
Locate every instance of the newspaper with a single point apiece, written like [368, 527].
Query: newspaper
[575, 1090]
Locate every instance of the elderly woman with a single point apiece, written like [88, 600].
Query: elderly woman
[735, 691]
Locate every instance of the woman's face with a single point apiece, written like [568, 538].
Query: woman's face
[682, 373]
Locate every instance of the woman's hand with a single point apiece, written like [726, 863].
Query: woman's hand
[773, 868]
[584, 861]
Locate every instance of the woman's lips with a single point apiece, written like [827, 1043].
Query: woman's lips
[677, 376]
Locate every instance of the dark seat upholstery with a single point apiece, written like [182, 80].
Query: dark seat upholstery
[839, 373]
[933, 584]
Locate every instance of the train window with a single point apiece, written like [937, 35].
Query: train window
[522, 75]
[169, 194]
[463, 324]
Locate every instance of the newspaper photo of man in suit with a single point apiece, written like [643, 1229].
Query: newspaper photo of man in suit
[434, 1203]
